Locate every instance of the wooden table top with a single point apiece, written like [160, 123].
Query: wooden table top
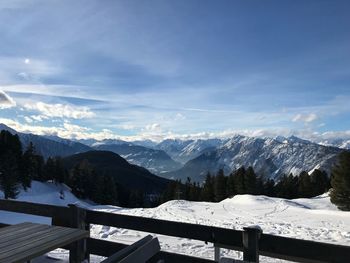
[23, 242]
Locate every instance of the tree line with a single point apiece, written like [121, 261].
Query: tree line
[18, 168]
[245, 181]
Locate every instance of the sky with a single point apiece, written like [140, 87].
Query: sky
[175, 69]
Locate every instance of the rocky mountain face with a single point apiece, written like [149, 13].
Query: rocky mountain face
[270, 157]
[183, 151]
[156, 161]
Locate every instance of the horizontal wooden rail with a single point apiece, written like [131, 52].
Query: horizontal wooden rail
[107, 248]
[269, 245]
[33, 208]
[229, 237]
[302, 250]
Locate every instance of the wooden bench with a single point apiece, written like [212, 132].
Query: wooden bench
[138, 252]
[23, 242]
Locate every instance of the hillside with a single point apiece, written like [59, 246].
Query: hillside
[156, 161]
[128, 175]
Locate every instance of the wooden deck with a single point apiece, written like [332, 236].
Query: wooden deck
[23, 242]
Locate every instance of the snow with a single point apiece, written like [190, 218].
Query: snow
[312, 219]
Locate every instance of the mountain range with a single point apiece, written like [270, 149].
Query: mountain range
[270, 157]
[179, 159]
[49, 146]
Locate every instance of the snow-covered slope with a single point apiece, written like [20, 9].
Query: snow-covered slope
[270, 157]
[312, 219]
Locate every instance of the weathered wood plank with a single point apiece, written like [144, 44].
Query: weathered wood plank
[44, 240]
[127, 250]
[210, 234]
[12, 228]
[22, 236]
[143, 253]
[107, 248]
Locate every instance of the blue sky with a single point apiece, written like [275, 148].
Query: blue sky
[156, 69]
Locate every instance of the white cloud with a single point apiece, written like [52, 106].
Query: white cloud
[61, 110]
[6, 101]
[154, 127]
[28, 119]
[307, 118]
[38, 117]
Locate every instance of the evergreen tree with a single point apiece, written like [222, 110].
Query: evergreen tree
[29, 166]
[169, 193]
[340, 192]
[220, 186]
[208, 189]
[320, 182]
[239, 180]
[287, 187]
[59, 174]
[49, 169]
[230, 189]
[10, 160]
[250, 181]
[269, 188]
[107, 191]
[136, 199]
[304, 185]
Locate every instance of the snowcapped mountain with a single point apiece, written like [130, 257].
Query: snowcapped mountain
[183, 151]
[49, 146]
[340, 143]
[156, 161]
[270, 157]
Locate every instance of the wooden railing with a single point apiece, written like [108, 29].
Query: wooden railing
[250, 240]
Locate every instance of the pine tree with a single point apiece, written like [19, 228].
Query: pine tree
[49, 169]
[10, 160]
[320, 182]
[208, 189]
[250, 181]
[269, 188]
[340, 192]
[220, 186]
[230, 189]
[287, 187]
[29, 166]
[304, 185]
[239, 180]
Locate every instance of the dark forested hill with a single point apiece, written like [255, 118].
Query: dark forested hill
[130, 176]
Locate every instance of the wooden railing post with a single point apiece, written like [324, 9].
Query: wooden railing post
[78, 251]
[216, 253]
[251, 236]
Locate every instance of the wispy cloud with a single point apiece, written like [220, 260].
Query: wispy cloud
[307, 118]
[6, 101]
[60, 110]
